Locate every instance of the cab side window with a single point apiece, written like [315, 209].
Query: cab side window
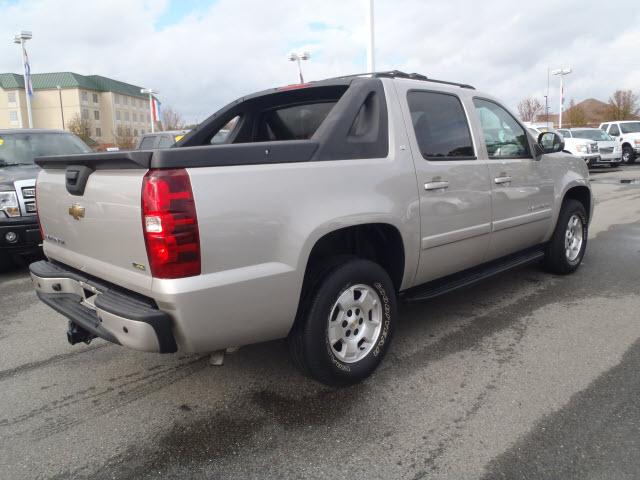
[503, 135]
[614, 131]
[440, 125]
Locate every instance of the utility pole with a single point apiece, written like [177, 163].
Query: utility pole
[298, 57]
[20, 39]
[371, 56]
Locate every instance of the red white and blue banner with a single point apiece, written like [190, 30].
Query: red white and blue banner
[155, 109]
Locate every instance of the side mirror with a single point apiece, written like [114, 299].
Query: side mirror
[550, 142]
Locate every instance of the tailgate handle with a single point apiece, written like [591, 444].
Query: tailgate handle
[76, 177]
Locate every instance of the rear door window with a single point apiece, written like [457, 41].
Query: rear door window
[440, 125]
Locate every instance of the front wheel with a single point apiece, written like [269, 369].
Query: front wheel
[6, 262]
[627, 155]
[568, 243]
[346, 326]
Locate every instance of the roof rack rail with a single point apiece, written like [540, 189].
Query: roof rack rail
[410, 76]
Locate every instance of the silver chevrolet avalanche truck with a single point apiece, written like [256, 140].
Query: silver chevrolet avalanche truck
[323, 206]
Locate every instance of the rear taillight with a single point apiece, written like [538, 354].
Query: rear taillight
[170, 224]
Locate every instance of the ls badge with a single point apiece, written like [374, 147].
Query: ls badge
[76, 211]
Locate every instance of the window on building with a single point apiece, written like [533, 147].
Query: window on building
[440, 125]
[98, 132]
[135, 117]
[13, 116]
[119, 130]
[96, 115]
[87, 132]
[85, 114]
[11, 97]
[84, 96]
[126, 116]
[116, 99]
[128, 131]
[118, 115]
[125, 100]
[135, 132]
[95, 98]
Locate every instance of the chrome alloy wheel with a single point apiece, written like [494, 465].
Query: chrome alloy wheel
[573, 238]
[354, 323]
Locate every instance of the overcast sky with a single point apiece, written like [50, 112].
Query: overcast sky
[202, 54]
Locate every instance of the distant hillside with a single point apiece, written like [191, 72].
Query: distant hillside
[594, 113]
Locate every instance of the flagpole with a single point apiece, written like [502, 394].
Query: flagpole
[150, 93]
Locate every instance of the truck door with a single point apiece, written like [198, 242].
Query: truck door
[522, 186]
[453, 184]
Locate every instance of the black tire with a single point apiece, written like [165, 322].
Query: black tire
[556, 259]
[6, 262]
[308, 341]
[628, 156]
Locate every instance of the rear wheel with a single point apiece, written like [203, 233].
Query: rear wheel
[569, 241]
[345, 329]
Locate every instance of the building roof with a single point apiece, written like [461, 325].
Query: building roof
[42, 81]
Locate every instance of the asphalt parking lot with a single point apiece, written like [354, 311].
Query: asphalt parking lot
[524, 376]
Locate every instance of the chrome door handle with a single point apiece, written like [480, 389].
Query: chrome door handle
[501, 180]
[439, 185]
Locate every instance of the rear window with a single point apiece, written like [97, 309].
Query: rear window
[147, 143]
[299, 122]
[22, 148]
[286, 115]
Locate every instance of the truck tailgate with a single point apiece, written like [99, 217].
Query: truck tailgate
[100, 231]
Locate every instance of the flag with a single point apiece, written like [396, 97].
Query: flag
[27, 74]
[155, 109]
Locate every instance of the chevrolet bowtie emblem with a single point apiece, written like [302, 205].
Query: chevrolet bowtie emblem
[76, 211]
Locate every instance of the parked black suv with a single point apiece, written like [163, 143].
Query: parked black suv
[19, 231]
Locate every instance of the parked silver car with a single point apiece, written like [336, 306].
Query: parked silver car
[326, 203]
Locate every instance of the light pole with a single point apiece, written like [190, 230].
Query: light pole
[20, 39]
[561, 72]
[61, 110]
[297, 57]
[151, 93]
[371, 60]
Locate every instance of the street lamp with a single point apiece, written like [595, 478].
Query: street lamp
[151, 93]
[561, 72]
[61, 110]
[297, 57]
[20, 39]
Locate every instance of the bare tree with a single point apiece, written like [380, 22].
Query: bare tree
[576, 116]
[171, 119]
[623, 105]
[81, 127]
[123, 138]
[528, 108]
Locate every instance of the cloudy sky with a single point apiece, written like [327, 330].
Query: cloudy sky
[202, 54]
